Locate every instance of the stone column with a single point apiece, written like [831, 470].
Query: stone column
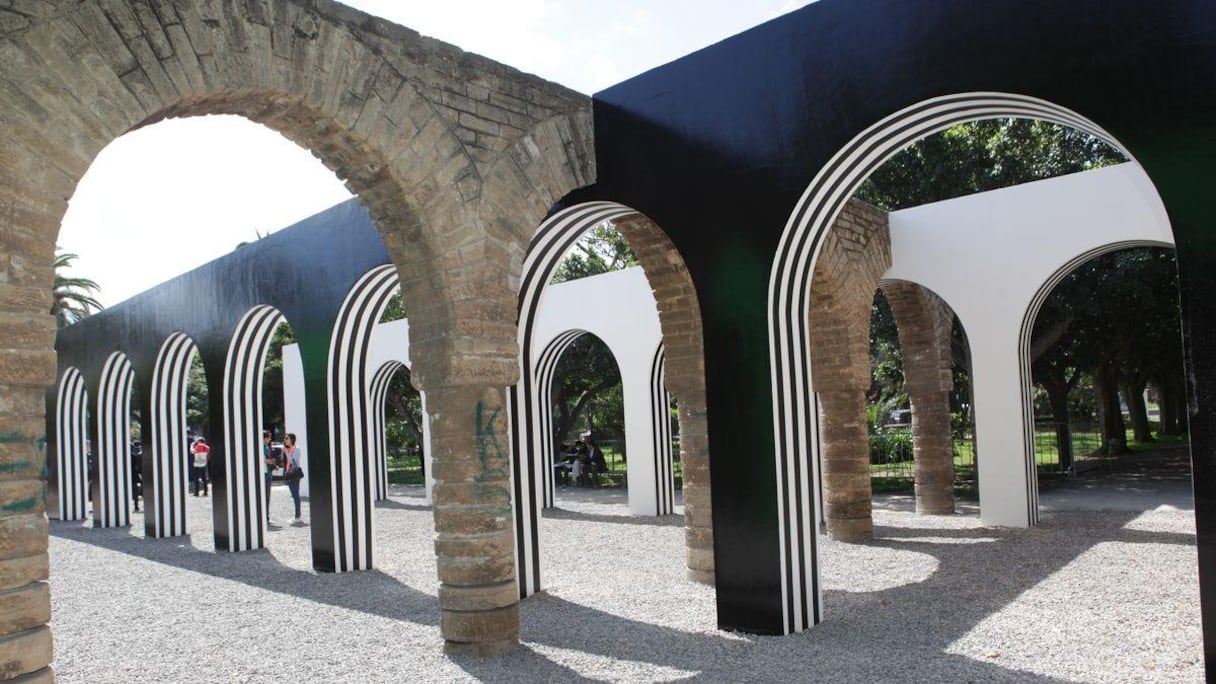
[474, 538]
[698, 517]
[854, 256]
[25, 604]
[845, 451]
[925, 322]
[933, 451]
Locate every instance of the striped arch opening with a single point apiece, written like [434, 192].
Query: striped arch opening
[351, 448]
[664, 483]
[245, 496]
[166, 510]
[795, 422]
[71, 437]
[377, 395]
[527, 403]
[1024, 360]
[113, 449]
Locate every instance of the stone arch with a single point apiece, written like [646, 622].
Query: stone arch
[112, 490]
[165, 491]
[925, 323]
[240, 513]
[352, 454]
[1024, 357]
[394, 114]
[794, 422]
[680, 320]
[71, 472]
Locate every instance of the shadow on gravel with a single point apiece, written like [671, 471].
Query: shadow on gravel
[370, 591]
[674, 520]
[550, 621]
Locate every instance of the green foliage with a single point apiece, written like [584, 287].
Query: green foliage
[197, 414]
[587, 388]
[402, 414]
[273, 415]
[890, 446]
[394, 310]
[979, 156]
[71, 298]
[601, 250]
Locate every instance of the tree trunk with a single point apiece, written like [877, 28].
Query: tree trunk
[1057, 386]
[1110, 418]
[1173, 405]
[1133, 394]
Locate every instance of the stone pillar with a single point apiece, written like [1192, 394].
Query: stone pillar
[698, 518]
[924, 322]
[25, 603]
[845, 450]
[854, 256]
[474, 538]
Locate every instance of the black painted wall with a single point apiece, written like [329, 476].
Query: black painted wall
[304, 271]
[718, 146]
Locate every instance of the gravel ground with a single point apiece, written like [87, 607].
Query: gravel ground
[1099, 592]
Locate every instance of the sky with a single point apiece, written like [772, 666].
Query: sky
[162, 200]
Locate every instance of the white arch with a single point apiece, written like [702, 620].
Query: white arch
[1033, 235]
[165, 513]
[112, 493]
[794, 420]
[71, 437]
[552, 240]
[618, 308]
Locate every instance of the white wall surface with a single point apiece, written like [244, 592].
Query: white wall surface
[987, 255]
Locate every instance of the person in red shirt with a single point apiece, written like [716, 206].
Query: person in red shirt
[198, 471]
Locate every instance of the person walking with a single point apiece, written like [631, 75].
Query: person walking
[198, 470]
[293, 469]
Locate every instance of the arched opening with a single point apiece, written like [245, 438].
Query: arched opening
[679, 322]
[584, 382]
[799, 251]
[1102, 333]
[918, 413]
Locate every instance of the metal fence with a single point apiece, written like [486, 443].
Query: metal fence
[891, 460]
[1060, 446]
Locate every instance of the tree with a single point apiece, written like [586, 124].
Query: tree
[198, 413]
[72, 298]
[1121, 314]
[980, 156]
[601, 250]
[585, 372]
[273, 413]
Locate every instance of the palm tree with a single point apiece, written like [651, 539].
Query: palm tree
[72, 297]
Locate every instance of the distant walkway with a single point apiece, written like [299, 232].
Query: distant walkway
[1141, 481]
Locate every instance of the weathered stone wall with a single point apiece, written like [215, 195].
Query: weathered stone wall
[855, 254]
[925, 324]
[456, 157]
[680, 319]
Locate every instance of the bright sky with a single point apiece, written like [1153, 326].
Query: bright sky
[168, 198]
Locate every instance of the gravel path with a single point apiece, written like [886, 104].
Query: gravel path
[1089, 595]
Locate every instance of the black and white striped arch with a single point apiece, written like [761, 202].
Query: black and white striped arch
[71, 439]
[377, 393]
[112, 498]
[165, 512]
[245, 497]
[526, 404]
[352, 451]
[664, 472]
[794, 417]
